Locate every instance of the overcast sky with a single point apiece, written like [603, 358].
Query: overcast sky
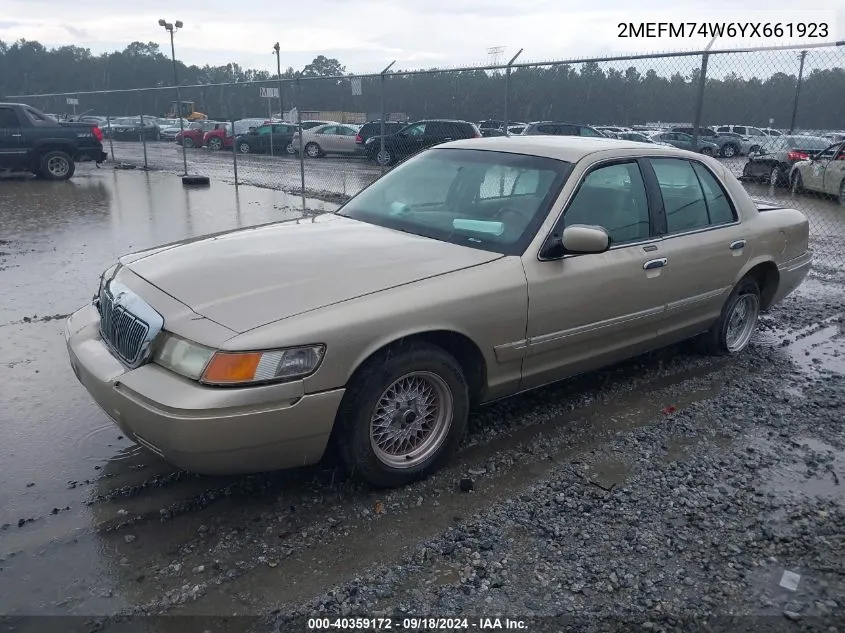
[366, 35]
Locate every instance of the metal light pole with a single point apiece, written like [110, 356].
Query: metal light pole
[802, 57]
[279, 75]
[172, 28]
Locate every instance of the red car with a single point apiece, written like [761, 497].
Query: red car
[193, 135]
[219, 138]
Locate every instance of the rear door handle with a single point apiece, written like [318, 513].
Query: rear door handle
[16, 135]
[735, 246]
[655, 263]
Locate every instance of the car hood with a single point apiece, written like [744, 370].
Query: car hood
[250, 277]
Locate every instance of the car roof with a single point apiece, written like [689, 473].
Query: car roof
[567, 148]
[561, 123]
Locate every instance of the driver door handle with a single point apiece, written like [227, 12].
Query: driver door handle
[655, 263]
[735, 246]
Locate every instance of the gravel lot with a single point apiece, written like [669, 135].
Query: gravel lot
[673, 486]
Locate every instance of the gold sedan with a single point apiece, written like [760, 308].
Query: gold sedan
[473, 271]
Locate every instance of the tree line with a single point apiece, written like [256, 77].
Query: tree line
[589, 92]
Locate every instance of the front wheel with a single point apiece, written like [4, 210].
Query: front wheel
[403, 415]
[842, 193]
[733, 331]
[57, 165]
[729, 150]
[244, 148]
[290, 149]
[313, 150]
[775, 176]
[215, 144]
[706, 151]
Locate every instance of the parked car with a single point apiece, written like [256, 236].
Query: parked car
[373, 128]
[307, 125]
[823, 172]
[243, 126]
[30, 141]
[195, 131]
[519, 128]
[275, 136]
[560, 128]
[416, 137]
[777, 156]
[134, 129]
[729, 144]
[754, 134]
[491, 124]
[409, 306]
[687, 142]
[770, 131]
[835, 137]
[639, 137]
[219, 138]
[612, 131]
[335, 138]
[169, 130]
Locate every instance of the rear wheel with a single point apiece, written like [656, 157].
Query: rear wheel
[707, 151]
[215, 143]
[313, 150]
[403, 415]
[733, 331]
[729, 150]
[775, 176]
[244, 148]
[188, 142]
[384, 157]
[753, 149]
[290, 149]
[842, 193]
[56, 165]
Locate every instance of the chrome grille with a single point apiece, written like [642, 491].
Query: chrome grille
[122, 331]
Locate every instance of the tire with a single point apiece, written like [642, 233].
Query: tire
[706, 151]
[312, 150]
[244, 148]
[384, 157]
[373, 391]
[842, 193]
[796, 182]
[753, 149]
[188, 142]
[775, 176]
[56, 165]
[215, 144]
[746, 171]
[729, 150]
[723, 339]
[290, 149]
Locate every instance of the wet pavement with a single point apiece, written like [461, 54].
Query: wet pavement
[90, 524]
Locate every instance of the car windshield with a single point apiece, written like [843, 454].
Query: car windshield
[482, 199]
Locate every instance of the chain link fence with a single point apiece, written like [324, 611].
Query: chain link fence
[762, 112]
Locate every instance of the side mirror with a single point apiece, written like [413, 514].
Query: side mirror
[577, 239]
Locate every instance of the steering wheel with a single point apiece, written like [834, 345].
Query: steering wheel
[504, 212]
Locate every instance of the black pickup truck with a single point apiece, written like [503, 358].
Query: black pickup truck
[30, 141]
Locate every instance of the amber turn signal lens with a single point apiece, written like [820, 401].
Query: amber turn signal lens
[226, 367]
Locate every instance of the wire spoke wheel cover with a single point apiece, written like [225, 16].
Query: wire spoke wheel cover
[411, 420]
[741, 322]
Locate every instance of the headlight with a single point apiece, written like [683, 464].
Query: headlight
[243, 368]
[213, 367]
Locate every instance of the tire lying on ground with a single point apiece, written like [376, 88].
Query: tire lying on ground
[56, 165]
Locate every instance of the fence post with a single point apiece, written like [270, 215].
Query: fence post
[108, 129]
[699, 102]
[144, 142]
[383, 113]
[802, 57]
[234, 152]
[507, 88]
[301, 140]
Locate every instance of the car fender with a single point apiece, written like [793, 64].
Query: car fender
[42, 145]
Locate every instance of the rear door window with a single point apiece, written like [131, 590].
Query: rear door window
[8, 118]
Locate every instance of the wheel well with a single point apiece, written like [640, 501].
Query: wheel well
[767, 277]
[68, 149]
[464, 350]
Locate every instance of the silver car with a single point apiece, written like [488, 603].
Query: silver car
[334, 138]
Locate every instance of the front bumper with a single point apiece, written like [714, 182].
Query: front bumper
[202, 429]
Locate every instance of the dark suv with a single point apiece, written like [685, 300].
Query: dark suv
[560, 128]
[373, 128]
[416, 137]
